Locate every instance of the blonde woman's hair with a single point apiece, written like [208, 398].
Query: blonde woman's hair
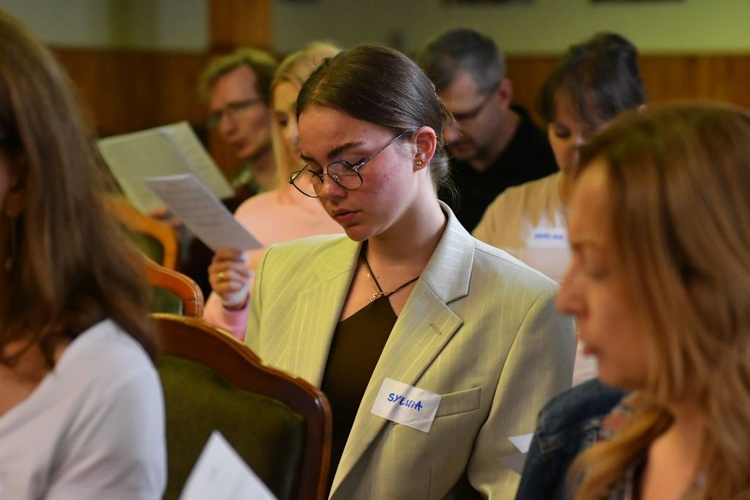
[679, 190]
[295, 69]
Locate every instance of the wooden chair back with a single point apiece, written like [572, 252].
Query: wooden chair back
[169, 285]
[154, 238]
[280, 425]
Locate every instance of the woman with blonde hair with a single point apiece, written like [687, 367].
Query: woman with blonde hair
[660, 235]
[276, 216]
[81, 408]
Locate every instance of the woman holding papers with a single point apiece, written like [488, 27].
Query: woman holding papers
[273, 217]
[81, 408]
[433, 348]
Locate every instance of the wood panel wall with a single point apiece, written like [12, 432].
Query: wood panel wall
[126, 91]
[718, 77]
[240, 22]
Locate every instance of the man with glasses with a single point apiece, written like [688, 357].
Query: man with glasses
[493, 144]
[237, 89]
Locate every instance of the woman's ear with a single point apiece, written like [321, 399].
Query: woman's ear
[426, 142]
[15, 196]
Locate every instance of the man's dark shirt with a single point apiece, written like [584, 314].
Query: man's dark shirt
[527, 157]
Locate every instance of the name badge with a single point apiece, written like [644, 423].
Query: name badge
[548, 237]
[406, 405]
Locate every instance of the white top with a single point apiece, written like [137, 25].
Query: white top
[92, 429]
[529, 222]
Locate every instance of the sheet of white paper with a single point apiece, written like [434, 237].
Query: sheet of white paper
[201, 212]
[203, 165]
[522, 442]
[221, 474]
[168, 150]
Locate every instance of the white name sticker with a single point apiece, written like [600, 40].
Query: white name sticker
[548, 237]
[406, 405]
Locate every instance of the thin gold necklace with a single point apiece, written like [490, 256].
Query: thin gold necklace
[374, 281]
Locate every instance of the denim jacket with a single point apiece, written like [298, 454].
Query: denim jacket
[567, 425]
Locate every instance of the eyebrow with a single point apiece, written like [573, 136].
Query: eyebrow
[335, 151]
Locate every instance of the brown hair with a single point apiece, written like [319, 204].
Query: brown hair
[679, 190]
[600, 75]
[262, 63]
[380, 85]
[72, 268]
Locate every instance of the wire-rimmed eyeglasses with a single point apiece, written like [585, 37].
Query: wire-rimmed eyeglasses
[343, 173]
[474, 112]
[232, 110]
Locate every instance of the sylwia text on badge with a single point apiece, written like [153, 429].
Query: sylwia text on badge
[406, 405]
[409, 403]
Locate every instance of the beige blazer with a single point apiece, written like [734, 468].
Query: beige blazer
[479, 328]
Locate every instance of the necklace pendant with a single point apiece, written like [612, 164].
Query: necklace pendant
[375, 295]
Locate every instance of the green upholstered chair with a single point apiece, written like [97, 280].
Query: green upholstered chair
[280, 425]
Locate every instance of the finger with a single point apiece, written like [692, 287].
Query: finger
[227, 288]
[219, 277]
[228, 254]
[158, 213]
[238, 269]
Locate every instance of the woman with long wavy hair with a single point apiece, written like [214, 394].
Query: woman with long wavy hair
[81, 409]
[660, 234]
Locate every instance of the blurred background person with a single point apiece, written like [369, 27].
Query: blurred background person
[81, 408]
[493, 144]
[407, 303]
[275, 216]
[593, 82]
[660, 231]
[237, 87]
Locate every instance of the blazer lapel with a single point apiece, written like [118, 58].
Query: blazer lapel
[425, 325]
[317, 309]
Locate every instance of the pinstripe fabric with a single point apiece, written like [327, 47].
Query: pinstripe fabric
[479, 328]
